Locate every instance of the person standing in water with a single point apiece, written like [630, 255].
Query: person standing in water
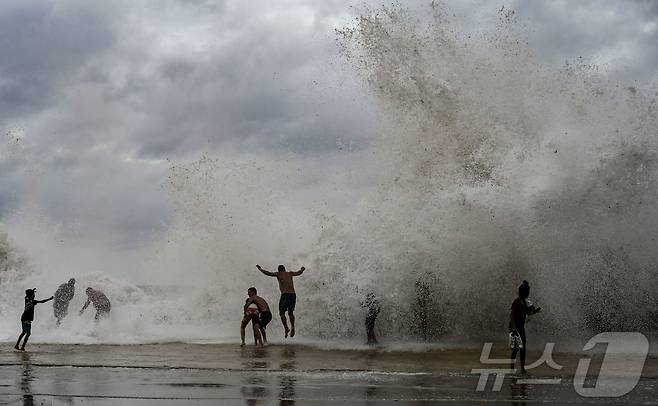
[252, 314]
[371, 304]
[28, 316]
[264, 313]
[63, 295]
[521, 308]
[288, 296]
[100, 301]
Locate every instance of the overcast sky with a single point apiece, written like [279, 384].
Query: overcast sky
[97, 99]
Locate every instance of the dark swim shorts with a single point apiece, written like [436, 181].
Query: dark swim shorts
[27, 327]
[265, 318]
[287, 302]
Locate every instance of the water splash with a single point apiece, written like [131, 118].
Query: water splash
[497, 168]
[488, 166]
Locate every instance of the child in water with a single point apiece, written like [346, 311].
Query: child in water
[251, 313]
[28, 316]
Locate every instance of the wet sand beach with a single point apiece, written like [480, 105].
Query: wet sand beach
[201, 374]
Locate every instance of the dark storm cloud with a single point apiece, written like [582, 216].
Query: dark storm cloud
[103, 94]
[102, 97]
[41, 46]
[260, 89]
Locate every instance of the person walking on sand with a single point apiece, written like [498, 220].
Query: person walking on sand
[521, 308]
[264, 313]
[63, 295]
[28, 316]
[288, 296]
[100, 301]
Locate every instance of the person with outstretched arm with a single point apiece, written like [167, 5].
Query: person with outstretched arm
[28, 316]
[288, 296]
[100, 301]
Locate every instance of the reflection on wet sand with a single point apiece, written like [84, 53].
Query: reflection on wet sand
[255, 357]
[372, 393]
[254, 390]
[287, 382]
[518, 393]
[287, 390]
[288, 358]
[26, 379]
[278, 374]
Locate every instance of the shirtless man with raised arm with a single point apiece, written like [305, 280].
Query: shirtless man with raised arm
[288, 296]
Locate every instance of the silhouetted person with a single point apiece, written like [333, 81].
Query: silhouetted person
[521, 308]
[100, 301]
[264, 313]
[28, 316]
[371, 304]
[422, 309]
[288, 296]
[63, 295]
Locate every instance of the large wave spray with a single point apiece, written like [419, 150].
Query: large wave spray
[498, 167]
[488, 166]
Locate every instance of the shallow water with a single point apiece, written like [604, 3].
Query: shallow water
[283, 374]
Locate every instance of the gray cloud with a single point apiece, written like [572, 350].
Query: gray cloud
[102, 95]
[42, 45]
[619, 34]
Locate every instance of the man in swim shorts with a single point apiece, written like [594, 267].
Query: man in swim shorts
[264, 313]
[288, 296]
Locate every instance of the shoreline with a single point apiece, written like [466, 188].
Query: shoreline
[200, 374]
[277, 356]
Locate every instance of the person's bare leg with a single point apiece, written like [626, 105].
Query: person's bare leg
[18, 341]
[264, 335]
[258, 340]
[292, 323]
[285, 323]
[242, 332]
[27, 335]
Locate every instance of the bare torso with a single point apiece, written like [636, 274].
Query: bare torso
[261, 303]
[285, 282]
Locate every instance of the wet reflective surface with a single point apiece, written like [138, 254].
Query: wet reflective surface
[262, 377]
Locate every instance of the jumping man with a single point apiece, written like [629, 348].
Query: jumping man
[288, 296]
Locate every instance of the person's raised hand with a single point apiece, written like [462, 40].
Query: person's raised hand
[259, 268]
[302, 269]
